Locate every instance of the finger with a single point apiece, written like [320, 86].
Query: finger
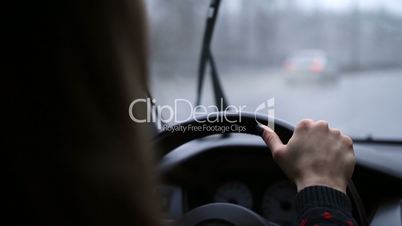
[304, 124]
[271, 139]
[322, 124]
[337, 132]
[348, 141]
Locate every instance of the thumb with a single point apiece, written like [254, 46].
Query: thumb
[271, 139]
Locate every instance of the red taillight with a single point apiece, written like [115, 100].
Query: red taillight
[316, 66]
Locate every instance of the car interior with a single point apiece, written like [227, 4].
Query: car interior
[217, 70]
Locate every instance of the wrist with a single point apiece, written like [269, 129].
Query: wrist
[338, 184]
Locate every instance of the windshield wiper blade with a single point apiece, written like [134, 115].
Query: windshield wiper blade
[207, 57]
[218, 90]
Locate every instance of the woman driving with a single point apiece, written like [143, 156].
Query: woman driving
[77, 158]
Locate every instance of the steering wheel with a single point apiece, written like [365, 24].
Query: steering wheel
[223, 213]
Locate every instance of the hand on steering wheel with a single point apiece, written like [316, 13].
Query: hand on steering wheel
[314, 155]
[310, 155]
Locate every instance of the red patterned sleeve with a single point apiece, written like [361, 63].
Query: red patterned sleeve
[323, 206]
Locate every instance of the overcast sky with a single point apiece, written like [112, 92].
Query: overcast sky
[394, 6]
[391, 5]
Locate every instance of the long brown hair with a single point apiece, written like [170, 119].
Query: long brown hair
[78, 159]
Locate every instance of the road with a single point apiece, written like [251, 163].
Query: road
[361, 104]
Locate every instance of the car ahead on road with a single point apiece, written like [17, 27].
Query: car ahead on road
[309, 65]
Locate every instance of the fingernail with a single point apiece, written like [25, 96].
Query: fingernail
[259, 130]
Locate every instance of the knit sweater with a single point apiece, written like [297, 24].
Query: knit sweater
[323, 206]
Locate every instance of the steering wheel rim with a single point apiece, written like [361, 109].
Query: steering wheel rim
[227, 213]
[167, 141]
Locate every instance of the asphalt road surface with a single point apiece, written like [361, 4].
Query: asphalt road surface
[361, 104]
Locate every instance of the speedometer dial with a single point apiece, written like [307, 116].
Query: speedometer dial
[278, 203]
[236, 193]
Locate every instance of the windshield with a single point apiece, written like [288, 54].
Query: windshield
[340, 61]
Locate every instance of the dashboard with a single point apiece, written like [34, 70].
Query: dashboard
[240, 170]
